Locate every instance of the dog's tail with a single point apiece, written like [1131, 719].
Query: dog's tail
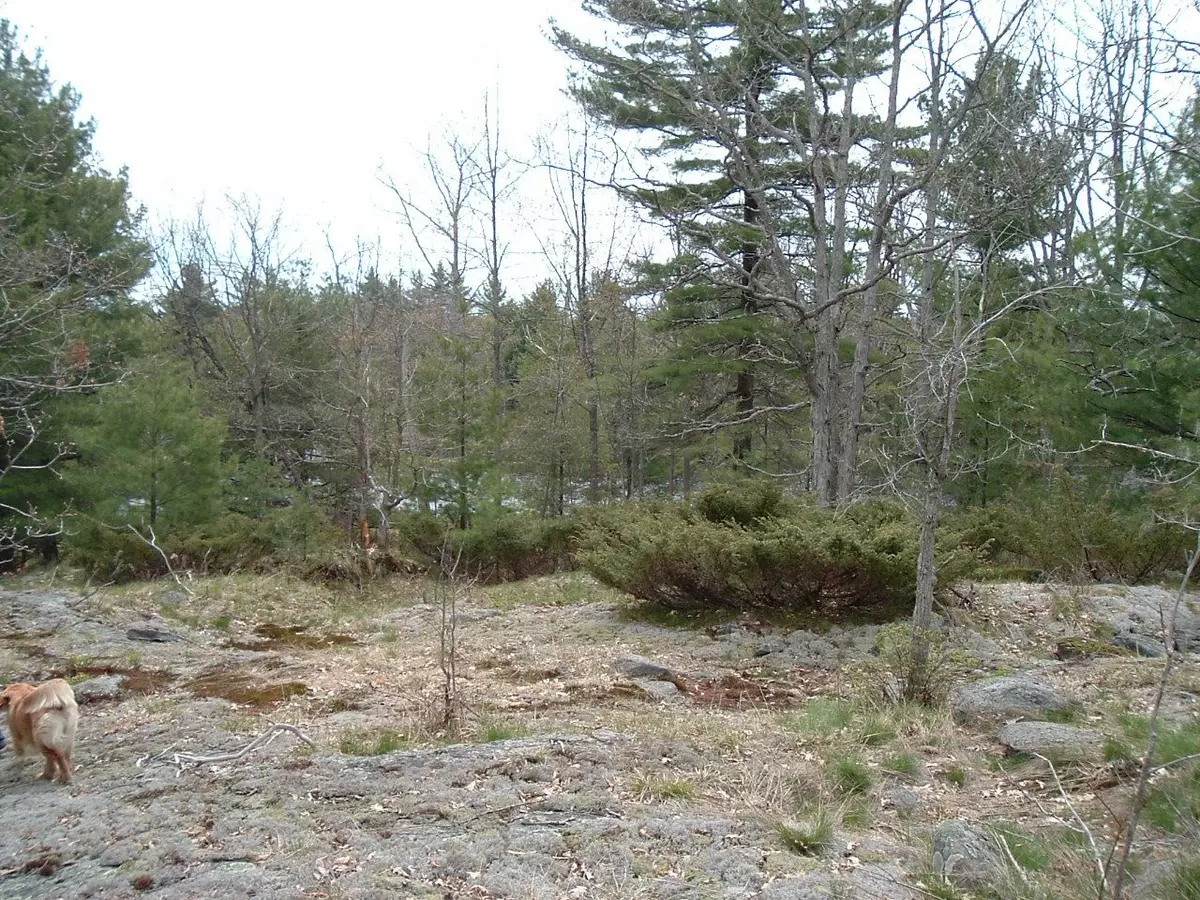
[54, 694]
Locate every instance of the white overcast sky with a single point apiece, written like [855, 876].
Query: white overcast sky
[300, 106]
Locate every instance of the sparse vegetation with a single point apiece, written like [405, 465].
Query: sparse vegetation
[851, 776]
[808, 838]
[821, 717]
[364, 742]
[810, 769]
[955, 775]
[649, 787]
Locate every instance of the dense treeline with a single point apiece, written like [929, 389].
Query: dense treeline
[913, 256]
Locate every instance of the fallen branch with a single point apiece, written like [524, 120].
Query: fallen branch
[529, 801]
[182, 759]
[1080, 829]
[1012, 859]
[1176, 762]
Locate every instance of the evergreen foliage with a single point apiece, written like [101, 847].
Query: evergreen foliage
[1068, 531]
[69, 252]
[499, 545]
[809, 562]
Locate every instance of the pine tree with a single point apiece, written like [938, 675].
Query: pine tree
[148, 455]
[749, 112]
[69, 253]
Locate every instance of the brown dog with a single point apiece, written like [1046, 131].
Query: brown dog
[44, 717]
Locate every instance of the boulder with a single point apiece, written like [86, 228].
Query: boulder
[904, 800]
[103, 687]
[1141, 611]
[1142, 646]
[1008, 697]
[1055, 742]
[966, 856]
[657, 690]
[632, 666]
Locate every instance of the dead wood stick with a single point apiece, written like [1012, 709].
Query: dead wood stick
[181, 759]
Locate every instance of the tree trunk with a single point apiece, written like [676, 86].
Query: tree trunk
[931, 510]
[918, 681]
[825, 415]
[881, 216]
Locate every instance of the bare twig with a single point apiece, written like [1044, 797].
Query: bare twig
[1148, 767]
[152, 541]
[1175, 762]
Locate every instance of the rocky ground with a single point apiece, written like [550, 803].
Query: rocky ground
[596, 754]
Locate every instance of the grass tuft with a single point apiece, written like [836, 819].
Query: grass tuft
[902, 764]
[956, 775]
[851, 776]
[806, 838]
[503, 731]
[821, 718]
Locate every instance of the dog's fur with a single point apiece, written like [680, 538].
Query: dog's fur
[44, 718]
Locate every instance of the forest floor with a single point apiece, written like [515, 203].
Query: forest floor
[755, 762]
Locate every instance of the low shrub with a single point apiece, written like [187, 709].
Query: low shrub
[499, 546]
[233, 542]
[923, 677]
[113, 554]
[745, 503]
[1068, 534]
[809, 561]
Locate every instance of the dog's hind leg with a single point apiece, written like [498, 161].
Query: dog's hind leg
[57, 765]
[64, 767]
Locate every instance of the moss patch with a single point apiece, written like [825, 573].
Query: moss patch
[242, 688]
[136, 680]
[279, 637]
